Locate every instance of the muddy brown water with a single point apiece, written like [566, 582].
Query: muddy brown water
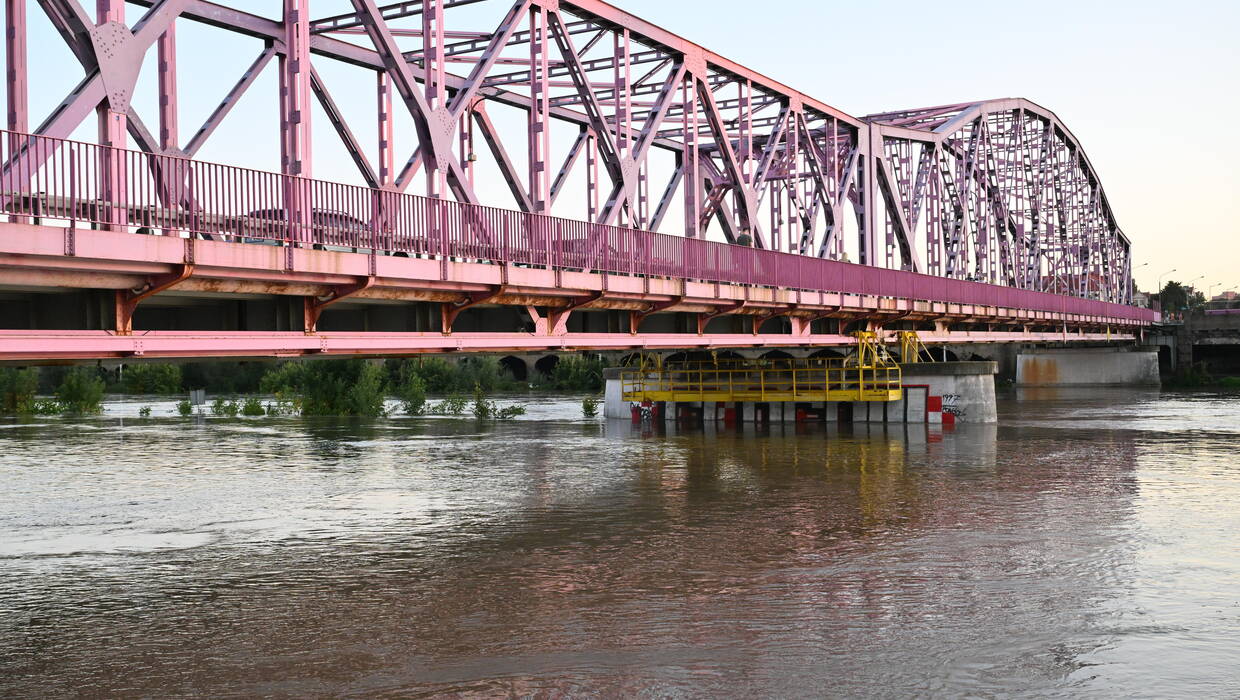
[1085, 546]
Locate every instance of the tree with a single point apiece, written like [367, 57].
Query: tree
[1174, 297]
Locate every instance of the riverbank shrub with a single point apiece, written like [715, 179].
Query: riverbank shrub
[577, 373]
[589, 406]
[252, 407]
[144, 412]
[223, 407]
[184, 407]
[438, 376]
[485, 409]
[17, 390]
[327, 388]
[151, 379]
[410, 388]
[452, 406]
[81, 391]
[1198, 376]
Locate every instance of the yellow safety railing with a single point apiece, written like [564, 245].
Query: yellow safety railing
[817, 379]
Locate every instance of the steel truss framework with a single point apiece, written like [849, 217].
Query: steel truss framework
[996, 191]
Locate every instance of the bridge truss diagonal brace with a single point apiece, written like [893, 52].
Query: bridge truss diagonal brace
[449, 310]
[314, 306]
[127, 299]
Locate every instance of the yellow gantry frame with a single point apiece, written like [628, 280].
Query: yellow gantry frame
[911, 347]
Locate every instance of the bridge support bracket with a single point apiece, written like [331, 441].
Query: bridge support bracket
[704, 318]
[127, 299]
[557, 318]
[762, 318]
[449, 310]
[314, 305]
[636, 317]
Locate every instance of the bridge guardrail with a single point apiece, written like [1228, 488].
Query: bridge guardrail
[45, 177]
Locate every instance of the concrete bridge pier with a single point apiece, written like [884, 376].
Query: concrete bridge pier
[1088, 367]
[933, 392]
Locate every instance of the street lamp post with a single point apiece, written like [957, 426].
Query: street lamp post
[1160, 290]
[1188, 285]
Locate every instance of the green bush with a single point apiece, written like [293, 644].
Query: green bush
[510, 412]
[482, 408]
[411, 388]
[252, 407]
[452, 406]
[578, 373]
[17, 390]
[485, 409]
[589, 406]
[441, 377]
[284, 380]
[184, 407]
[220, 407]
[152, 379]
[81, 391]
[144, 412]
[329, 388]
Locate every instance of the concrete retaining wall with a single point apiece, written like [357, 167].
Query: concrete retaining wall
[1087, 367]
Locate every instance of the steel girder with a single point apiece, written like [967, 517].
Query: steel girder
[996, 191]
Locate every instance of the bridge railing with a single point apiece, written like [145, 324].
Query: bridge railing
[51, 178]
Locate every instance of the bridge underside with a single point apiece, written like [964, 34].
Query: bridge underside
[120, 294]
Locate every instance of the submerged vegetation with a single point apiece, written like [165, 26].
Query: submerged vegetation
[1198, 376]
[80, 391]
[335, 387]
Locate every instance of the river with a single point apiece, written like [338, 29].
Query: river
[1085, 546]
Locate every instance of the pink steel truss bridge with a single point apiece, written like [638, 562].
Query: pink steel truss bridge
[573, 177]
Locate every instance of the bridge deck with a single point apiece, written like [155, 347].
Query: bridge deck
[186, 230]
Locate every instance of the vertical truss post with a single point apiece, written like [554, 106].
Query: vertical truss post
[539, 136]
[169, 133]
[295, 122]
[387, 153]
[623, 108]
[435, 76]
[113, 130]
[16, 70]
[592, 183]
[690, 157]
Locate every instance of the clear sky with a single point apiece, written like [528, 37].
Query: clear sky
[1150, 89]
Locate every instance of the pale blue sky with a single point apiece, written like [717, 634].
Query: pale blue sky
[1151, 89]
